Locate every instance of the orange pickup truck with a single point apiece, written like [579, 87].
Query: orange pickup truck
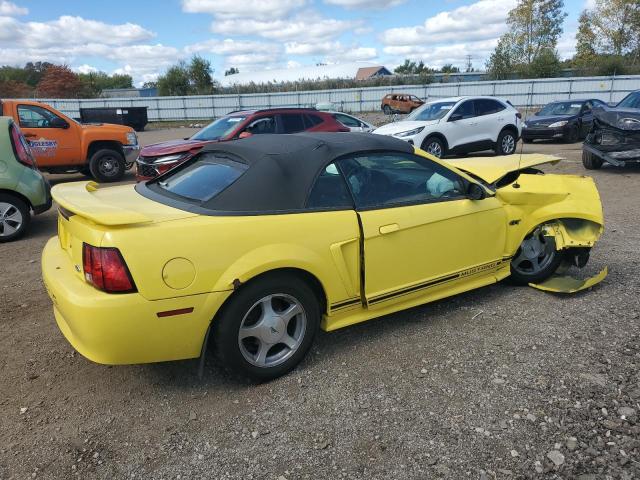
[62, 145]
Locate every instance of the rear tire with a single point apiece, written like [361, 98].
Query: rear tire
[107, 165]
[506, 144]
[279, 340]
[15, 217]
[590, 161]
[386, 109]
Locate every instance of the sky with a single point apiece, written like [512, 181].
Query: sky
[143, 38]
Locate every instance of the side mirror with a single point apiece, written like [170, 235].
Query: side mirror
[455, 117]
[245, 134]
[475, 192]
[58, 122]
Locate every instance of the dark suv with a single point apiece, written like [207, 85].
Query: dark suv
[160, 157]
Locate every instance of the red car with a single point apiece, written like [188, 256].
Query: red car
[158, 158]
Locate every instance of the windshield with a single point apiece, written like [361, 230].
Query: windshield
[218, 129]
[630, 101]
[431, 111]
[560, 108]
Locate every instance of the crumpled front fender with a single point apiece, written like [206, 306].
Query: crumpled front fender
[573, 232]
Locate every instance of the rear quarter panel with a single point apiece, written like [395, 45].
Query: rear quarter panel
[223, 249]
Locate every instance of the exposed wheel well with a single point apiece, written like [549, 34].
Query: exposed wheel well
[439, 136]
[18, 195]
[102, 144]
[511, 127]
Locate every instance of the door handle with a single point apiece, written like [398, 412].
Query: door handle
[30, 135]
[392, 227]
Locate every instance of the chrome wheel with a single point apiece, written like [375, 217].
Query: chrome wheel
[435, 149]
[10, 219]
[535, 254]
[508, 144]
[272, 330]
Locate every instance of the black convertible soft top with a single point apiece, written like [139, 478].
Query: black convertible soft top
[282, 170]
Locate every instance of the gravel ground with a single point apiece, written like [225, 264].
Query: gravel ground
[499, 383]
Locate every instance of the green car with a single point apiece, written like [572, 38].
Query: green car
[23, 189]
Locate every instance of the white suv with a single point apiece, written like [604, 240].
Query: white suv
[460, 125]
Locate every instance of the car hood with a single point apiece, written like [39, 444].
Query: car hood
[403, 126]
[101, 127]
[492, 169]
[172, 147]
[548, 119]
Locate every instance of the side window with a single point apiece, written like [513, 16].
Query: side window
[292, 122]
[466, 109]
[391, 179]
[312, 120]
[486, 106]
[330, 191]
[262, 125]
[347, 120]
[32, 116]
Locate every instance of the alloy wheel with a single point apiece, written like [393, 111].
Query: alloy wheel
[535, 253]
[272, 330]
[10, 219]
[508, 144]
[108, 166]
[435, 149]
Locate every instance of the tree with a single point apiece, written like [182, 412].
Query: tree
[95, 82]
[534, 29]
[500, 65]
[545, 65]
[231, 71]
[448, 68]
[14, 89]
[34, 71]
[611, 27]
[412, 68]
[175, 81]
[58, 81]
[200, 79]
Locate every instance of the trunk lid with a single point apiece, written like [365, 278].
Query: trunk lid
[87, 212]
[492, 169]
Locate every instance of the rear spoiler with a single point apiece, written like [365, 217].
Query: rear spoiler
[78, 198]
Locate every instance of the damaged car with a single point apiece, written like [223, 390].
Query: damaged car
[365, 226]
[615, 136]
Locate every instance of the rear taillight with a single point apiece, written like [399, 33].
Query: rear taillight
[21, 148]
[105, 269]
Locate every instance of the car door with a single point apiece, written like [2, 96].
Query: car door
[52, 141]
[460, 128]
[586, 118]
[491, 119]
[419, 228]
[291, 123]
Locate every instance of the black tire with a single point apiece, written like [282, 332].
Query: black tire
[107, 165]
[434, 146]
[572, 135]
[386, 109]
[227, 325]
[15, 215]
[552, 260]
[507, 142]
[590, 161]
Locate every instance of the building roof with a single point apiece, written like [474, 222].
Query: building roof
[315, 72]
[364, 73]
[281, 170]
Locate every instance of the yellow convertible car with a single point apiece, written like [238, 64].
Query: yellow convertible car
[255, 244]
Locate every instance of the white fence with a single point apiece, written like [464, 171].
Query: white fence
[520, 92]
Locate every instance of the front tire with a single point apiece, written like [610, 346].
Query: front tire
[434, 146]
[590, 161]
[267, 327]
[536, 259]
[107, 165]
[14, 217]
[386, 109]
[506, 144]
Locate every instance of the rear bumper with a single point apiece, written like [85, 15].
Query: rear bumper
[123, 328]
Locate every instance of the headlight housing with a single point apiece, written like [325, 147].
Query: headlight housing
[561, 123]
[169, 159]
[524, 125]
[409, 133]
[132, 138]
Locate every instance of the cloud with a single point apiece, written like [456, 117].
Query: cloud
[440, 55]
[11, 9]
[364, 4]
[333, 52]
[484, 19]
[230, 46]
[243, 9]
[85, 68]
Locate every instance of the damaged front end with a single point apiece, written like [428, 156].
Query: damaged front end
[574, 238]
[614, 138]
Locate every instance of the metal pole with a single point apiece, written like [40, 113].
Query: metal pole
[613, 79]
